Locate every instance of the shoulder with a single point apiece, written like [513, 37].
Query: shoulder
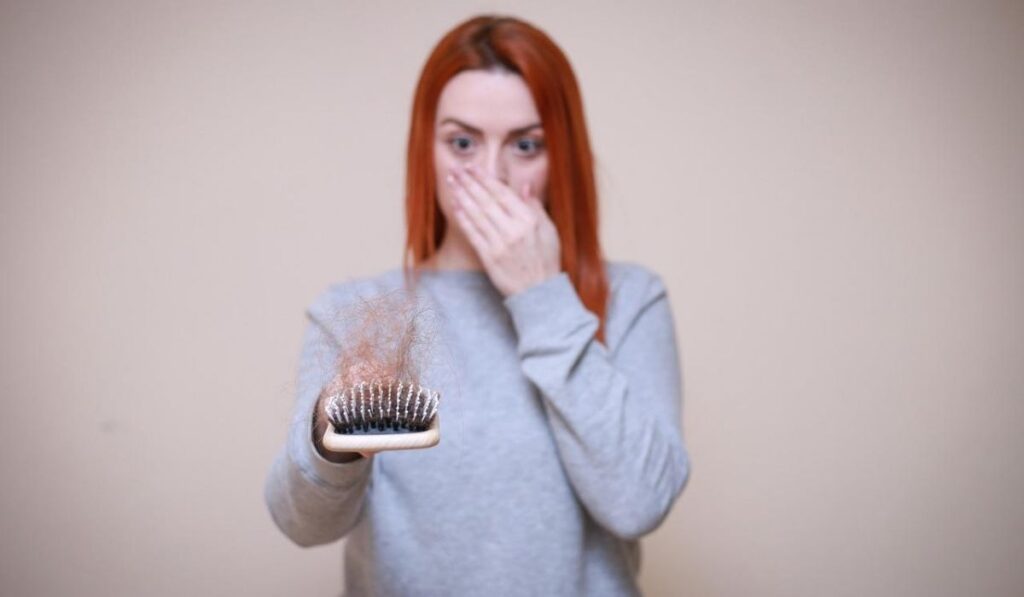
[632, 289]
[631, 283]
[330, 304]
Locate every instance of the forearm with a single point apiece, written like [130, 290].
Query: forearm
[626, 464]
[615, 420]
[314, 496]
[309, 511]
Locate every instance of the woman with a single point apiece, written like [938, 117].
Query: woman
[564, 446]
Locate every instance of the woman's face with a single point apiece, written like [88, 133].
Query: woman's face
[488, 118]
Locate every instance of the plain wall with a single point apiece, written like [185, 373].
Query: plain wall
[833, 192]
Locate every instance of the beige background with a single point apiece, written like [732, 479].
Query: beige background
[833, 191]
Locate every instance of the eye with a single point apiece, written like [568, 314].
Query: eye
[460, 144]
[529, 146]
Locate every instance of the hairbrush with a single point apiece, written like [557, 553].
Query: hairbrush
[383, 414]
[386, 344]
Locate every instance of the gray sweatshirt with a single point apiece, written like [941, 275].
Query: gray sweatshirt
[557, 454]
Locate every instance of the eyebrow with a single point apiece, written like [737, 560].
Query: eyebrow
[473, 129]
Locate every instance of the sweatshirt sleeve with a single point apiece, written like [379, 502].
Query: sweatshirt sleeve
[615, 415]
[312, 500]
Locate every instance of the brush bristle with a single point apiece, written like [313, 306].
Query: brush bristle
[373, 407]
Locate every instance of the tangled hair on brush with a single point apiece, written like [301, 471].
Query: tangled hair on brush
[387, 336]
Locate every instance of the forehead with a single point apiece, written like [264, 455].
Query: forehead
[491, 100]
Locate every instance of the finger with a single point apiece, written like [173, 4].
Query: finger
[533, 204]
[472, 209]
[480, 244]
[479, 183]
[469, 224]
[504, 195]
[489, 205]
[530, 202]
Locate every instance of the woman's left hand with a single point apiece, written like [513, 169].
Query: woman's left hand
[513, 236]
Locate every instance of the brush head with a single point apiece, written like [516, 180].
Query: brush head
[382, 414]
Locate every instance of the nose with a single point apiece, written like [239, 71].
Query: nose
[495, 165]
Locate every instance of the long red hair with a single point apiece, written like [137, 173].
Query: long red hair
[486, 42]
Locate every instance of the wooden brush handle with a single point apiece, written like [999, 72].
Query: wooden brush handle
[378, 442]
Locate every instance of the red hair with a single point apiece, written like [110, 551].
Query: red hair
[493, 42]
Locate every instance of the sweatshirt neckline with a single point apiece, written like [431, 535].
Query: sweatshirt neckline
[458, 277]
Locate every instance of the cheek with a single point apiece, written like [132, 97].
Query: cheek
[442, 163]
[443, 158]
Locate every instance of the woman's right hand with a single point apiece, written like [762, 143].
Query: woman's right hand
[319, 426]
